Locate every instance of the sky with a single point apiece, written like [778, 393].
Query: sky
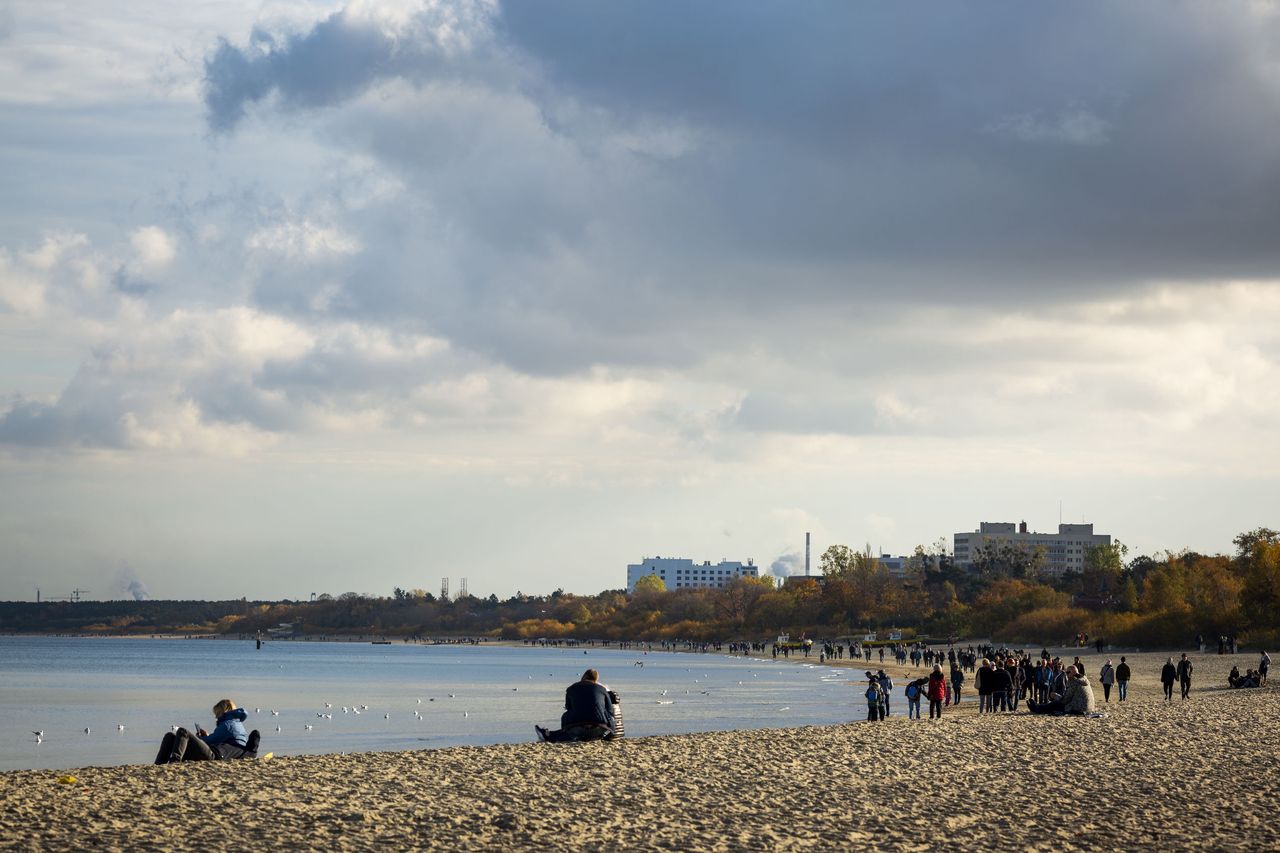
[305, 297]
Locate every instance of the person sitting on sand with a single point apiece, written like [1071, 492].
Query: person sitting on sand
[588, 712]
[227, 740]
[1076, 699]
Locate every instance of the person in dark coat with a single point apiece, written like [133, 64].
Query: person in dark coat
[1123, 674]
[1184, 675]
[1168, 675]
[588, 712]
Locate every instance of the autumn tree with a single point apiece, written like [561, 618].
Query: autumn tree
[651, 583]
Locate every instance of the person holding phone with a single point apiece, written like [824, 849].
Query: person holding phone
[227, 740]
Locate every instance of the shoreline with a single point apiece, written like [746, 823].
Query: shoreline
[1156, 774]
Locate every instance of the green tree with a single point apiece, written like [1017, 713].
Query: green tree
[1103, 572]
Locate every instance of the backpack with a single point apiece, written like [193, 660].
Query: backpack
[913, 691]
[873, 694]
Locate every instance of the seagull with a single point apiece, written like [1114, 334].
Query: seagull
[465, 714]
[420, 701]
[386, 716]
[451, 695]
[320, 715]
[308, 727]
[120, 727]
[274, 712]
[328, 704]
[346, 710]
[328, 716]
[364, 707]
[175, 728]
[515, 688]
[86, 729]
[257, 710]
[277, 728]
[357, 710]
[39, 737]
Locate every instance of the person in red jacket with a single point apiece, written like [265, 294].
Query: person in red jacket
[936, 691]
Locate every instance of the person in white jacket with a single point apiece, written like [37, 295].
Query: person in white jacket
[1107, 678]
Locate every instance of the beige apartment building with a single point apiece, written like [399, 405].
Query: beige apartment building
[1063, 551]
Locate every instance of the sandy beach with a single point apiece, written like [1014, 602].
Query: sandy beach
[1203, 773]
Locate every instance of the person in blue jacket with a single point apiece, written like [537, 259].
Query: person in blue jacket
[227, 740]
[588, 712]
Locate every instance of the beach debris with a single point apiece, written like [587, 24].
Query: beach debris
[68, 780]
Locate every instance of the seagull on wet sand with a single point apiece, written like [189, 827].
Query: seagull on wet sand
[39, 737]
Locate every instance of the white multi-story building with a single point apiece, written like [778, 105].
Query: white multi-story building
[1063, 551]
[682, 573]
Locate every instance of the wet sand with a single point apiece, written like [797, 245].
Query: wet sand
[1204, 773]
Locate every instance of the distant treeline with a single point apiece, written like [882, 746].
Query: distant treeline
[1147, 601]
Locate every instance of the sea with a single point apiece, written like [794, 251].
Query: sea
[109, 701]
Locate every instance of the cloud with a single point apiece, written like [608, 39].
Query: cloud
[155, 249]
[1077, 126]
[340, 56]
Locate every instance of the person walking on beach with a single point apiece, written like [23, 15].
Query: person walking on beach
[588, 712]
[1168, 675]
[1263, 665]
[913, 691]
[1123, 673]
[982, 681]
[872, 695]
[936, 691]
[1106, 678]
[957, 681]
[886, 691]
[1184, 675]
[227, 740]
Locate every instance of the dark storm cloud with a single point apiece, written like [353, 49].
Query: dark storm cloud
[637, 183]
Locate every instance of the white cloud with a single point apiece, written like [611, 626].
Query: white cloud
[155, 248]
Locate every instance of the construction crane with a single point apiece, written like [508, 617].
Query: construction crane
[73, 597]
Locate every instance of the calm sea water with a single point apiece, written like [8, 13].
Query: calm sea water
[466, 695]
